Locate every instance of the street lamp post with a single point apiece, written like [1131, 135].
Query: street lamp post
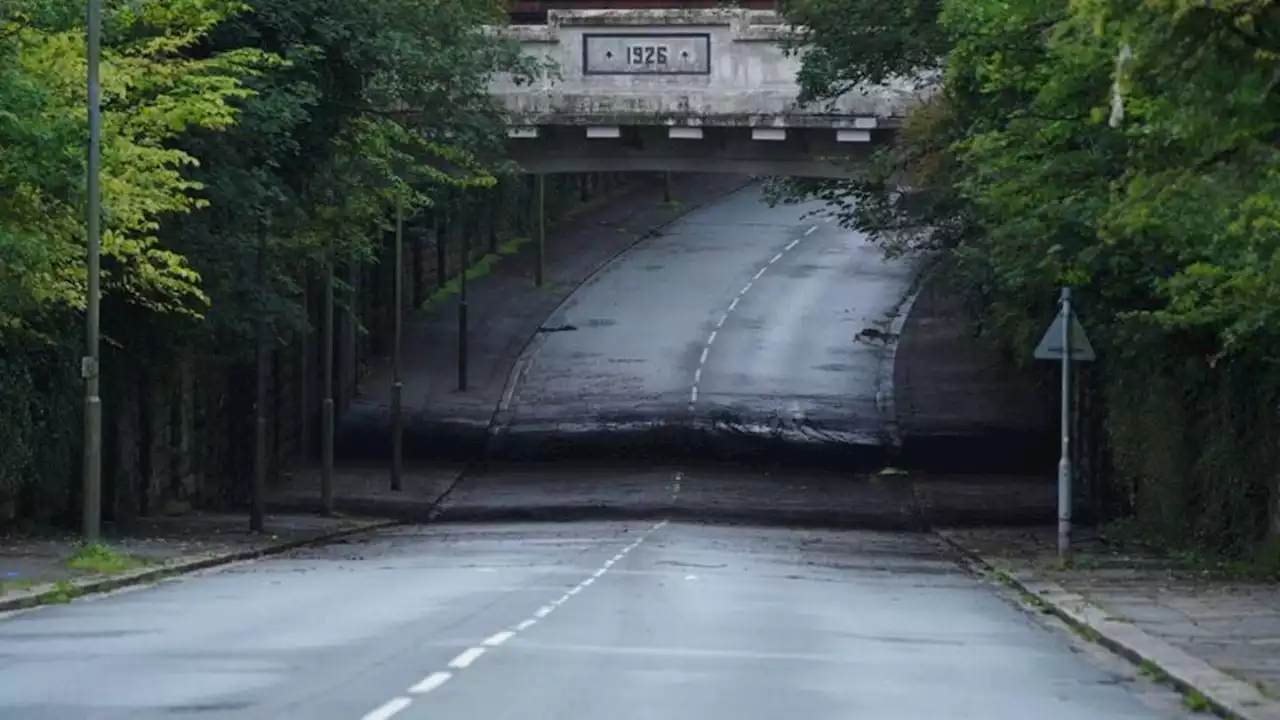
[89, 366]
[397, 385]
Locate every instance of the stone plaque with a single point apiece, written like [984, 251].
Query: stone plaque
[647, 54]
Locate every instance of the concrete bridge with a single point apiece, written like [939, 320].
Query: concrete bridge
[684, 90]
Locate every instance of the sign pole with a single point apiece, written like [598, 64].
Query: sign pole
[89, 365]
[1064, 463]
[397, 384]
[1066, 342]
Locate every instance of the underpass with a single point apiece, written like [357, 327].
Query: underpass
[741, 329]
[560, 577]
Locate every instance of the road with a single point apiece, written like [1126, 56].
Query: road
[739, 315]
[572, 621]
[815, 595]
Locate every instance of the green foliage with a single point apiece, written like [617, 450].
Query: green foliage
[152, 92]
[102, 560]
[377, 103]
[1129, 150]
[233, 132]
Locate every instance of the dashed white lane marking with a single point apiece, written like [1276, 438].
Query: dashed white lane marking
[702, 359]
[466, 657]
[388, 708]
[497, 639]
[431, 682]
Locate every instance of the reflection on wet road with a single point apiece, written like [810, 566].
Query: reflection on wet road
[575, 621]
[740, 314]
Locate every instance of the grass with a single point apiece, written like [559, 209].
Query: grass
[102, 560]
[478, 269]
[1153, 671]
[1195, 702]
[10, 586]
[63, 592]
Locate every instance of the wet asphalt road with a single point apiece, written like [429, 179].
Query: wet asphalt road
[572, 621]
[740, 316]
[779, 611]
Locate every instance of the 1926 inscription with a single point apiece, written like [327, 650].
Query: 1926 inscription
[647, 54]
[644, 54]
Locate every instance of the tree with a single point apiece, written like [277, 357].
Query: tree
[151, 95]
[1127, 149]
[377, 102]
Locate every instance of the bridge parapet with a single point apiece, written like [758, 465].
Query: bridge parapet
[683, 68]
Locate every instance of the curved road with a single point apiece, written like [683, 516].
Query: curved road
[740, 316]
[778, 615]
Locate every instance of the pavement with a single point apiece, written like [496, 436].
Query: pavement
[958, 407]
[575, 621]
[38, 568]
[1195, 628]
[662, 588]
[505, 311]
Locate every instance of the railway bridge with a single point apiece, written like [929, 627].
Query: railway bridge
[651, 87]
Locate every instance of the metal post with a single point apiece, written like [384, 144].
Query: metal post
[258, 489]
[666, 186]
[1064, 463]
[326, 406]
[304, 370]
[492, 203]
[397, 387]
[443, 225]
[541, 201]
[463, 268]
[89, 366]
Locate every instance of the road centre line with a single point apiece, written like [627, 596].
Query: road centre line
[388, 709]
[464, 659]
[431, 682]
[702, 359]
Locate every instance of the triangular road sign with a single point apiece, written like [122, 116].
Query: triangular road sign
[1050, 347]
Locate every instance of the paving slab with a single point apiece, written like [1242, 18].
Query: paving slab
[37, 567]
[1218, 637]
